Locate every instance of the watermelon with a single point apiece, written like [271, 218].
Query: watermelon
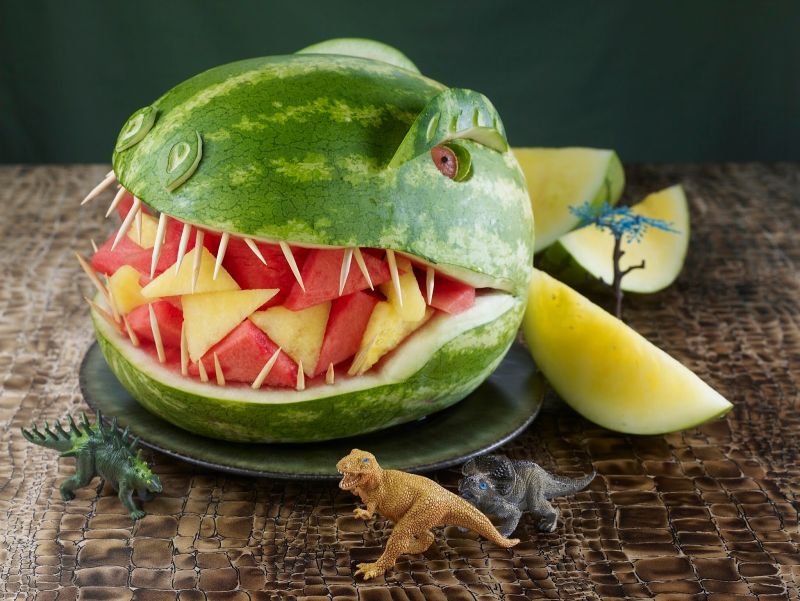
[321, 274]
[449, 295]
[169, 318]
[346, 324]
[127, 252]
[312, 154]
[242, 354]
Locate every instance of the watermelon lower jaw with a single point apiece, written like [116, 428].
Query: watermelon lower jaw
[434, 368]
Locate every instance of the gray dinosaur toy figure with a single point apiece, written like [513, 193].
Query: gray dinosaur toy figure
[100, 452]
[505, 489]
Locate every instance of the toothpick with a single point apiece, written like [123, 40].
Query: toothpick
[108, 180]
[184, 351]
[94, 244]
[126, 224]
[102, 313]
[347, 258]
[160, 231]
[117, 199]
[256, 251]
[429, 281]
[395, 276]
[287, 252]
[156, 335]
[202, 368]
[111, 302]
[363, 267]
[138, 223]
[262, 375]
[87, 268]
[330, 375]
[187, 231]
[361, 357]
[218, 371]
[223, 246]
[301, 376]
[131, 334]
[198, 254]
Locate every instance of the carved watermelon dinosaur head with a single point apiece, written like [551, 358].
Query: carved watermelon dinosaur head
[327, 167]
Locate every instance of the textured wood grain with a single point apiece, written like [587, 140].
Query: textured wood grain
[705, 514]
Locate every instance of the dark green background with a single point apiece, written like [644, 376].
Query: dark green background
[658, 81]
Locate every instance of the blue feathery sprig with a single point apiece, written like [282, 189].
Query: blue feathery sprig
[620, 221]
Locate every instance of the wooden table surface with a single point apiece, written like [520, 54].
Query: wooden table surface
[710, 513]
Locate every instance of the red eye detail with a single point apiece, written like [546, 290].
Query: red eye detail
[445, 160]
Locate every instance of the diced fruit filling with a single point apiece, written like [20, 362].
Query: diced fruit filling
[264, 315]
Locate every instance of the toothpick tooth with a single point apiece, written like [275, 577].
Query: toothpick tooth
[256, 251]
[126, 224]
[330, 375]
[287, 252]
[184, 351]
[429, 281]
[94, 244]
[262, 375]
[187, 231]
[112, 303]
[218, 371]
[117, 199]
[223, 246]
[361, 357]
[87, 268]
[395, 276]
[301, 376]
[131, 334]
[138, 222]
[198, 254]
[108, 180]
[156, 335]
[102, 313]
[347, 258]
[202, 368]
[159, 242]
[363, 267]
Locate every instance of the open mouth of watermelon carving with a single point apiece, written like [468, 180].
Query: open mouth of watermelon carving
[229, 310]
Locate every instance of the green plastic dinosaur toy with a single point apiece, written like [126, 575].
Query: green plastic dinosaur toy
[100, 452]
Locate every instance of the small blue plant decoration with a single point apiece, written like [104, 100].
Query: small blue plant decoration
[622, 222]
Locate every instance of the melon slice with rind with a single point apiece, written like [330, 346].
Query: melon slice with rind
[663, 252]
[171, 283]
[559, 178]
[608, 372]
[362, 48]
[209, 316]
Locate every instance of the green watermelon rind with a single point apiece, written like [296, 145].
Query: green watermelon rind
[450, 373]
[364, 48]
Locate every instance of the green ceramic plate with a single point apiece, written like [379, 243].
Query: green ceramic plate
[495, 413]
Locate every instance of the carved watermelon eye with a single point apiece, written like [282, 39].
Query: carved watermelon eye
[483, 485]
[452, 160]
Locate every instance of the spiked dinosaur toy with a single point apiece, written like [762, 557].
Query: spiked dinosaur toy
[414, 503]
[504, 489]
[100, 452]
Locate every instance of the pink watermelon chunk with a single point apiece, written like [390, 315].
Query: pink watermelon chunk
[346, 324]
[169, 318]
[243, 353]
[449, 295]
[250, 273]
[321, 278]
[127, 252]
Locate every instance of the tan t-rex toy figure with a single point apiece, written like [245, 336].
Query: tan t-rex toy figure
[414, 503]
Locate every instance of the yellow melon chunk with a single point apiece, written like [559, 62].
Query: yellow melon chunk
[413, 308]
[149, 227]
[385, 330]
[298, 333]
[125, 289]
[170, 283]
[209, 316]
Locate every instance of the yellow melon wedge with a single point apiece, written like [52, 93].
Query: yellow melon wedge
[149, 229]
[298, 333]
[663, 252]
[608, 372]
[562, 177]
[413, 306]
[209, 316]
[125, 289]
[170, 283]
